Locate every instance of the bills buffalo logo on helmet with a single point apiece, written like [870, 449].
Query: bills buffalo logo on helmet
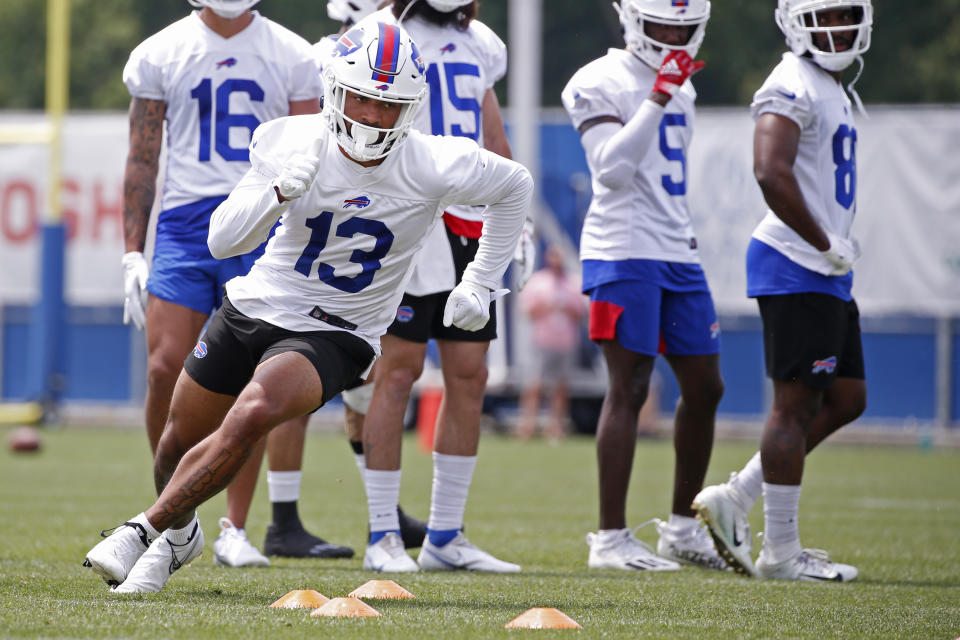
[359, 202]
[348, 42]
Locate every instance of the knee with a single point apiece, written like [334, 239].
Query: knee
[469, 380]
[854, 406]
[398, 379]
[249, 420]
[163, 368]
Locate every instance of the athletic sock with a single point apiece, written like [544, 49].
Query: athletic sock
[141, 519]
[452, 476]
[383, 494]
[747, 484]
[781, 536]
[682, 524]
[358, 456]
[606, 537]
[284, 489]
[182, 536]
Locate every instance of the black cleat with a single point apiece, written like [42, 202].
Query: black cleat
[412, 530]
[298, 543]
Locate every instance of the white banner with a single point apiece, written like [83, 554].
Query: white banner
[908, 208]
[908, 219]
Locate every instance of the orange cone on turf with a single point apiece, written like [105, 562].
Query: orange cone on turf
[543, 618]
[384, 589]
[301, 599]
[346, 608]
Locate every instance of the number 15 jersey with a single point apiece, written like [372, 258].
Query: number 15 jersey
[217, 91]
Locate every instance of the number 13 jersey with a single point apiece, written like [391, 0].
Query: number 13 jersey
[217, 91]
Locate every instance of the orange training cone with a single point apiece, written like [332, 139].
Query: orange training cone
[385, 589]
[346, 608]
[543, 618]
[301, 599]
[427, 409]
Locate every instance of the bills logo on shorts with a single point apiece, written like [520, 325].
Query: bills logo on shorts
[404, 314]
[715, 331]
[359, 202]
[826, 365]
[200, 351]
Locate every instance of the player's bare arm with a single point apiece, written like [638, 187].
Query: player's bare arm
[494, 136]
[140, 176]
[302, 107]
[775, 143]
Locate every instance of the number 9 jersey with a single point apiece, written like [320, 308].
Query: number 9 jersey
[217, 91]
[825, 166]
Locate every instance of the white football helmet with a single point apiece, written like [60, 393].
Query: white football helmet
[798, 21]
[634, 14]
[351, 11]
[446, 6]
[380, 61]
[225, 8]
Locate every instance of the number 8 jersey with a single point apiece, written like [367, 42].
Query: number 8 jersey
[825, 166]
[217, 91]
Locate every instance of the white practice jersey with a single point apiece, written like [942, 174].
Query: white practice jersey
[649, 218]
[217, 91]
[825, 167]
[346, 247]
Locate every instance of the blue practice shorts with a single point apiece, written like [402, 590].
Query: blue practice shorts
[183, 271]
[649, 319]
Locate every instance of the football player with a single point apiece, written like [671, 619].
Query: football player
[634, 109]
[356, 398]
[799, 268]
[307, 319]
[213, 77]
[464, 60]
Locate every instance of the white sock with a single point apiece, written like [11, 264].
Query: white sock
[681, 523]
[383, 495]
[606, 537]
[361, 461]
[452, 476]
[748, 483]
[284, 486]
[141, 519]
[182, 536]
[781, 535]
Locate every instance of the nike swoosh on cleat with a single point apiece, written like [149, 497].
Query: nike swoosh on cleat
[788, 96]
[836, 578]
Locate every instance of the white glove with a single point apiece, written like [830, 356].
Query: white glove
[525, 255]
[134, 289]
[841, 254]
[468, 306]
[297, 176]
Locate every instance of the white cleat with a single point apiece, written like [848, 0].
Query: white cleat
[233, 549]
[460, 553]
[810, 565]
[688, 546]
[114, 556]
[627, 553]
[160, 561]
[727, 522]
[388, 555]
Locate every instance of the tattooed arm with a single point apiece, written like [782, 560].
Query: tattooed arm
[140, 177]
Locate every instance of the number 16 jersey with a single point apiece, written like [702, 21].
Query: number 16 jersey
[217, 91]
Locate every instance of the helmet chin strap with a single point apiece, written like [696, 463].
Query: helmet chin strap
[853, 92]
[403, 14]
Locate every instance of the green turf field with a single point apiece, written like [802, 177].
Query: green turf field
[892, 512]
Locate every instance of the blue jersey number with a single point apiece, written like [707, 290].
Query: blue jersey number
[846, 173]
[673, 154]
[203, 94]
[451, 70]
[369, 260]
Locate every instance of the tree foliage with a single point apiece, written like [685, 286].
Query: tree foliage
[914, 56]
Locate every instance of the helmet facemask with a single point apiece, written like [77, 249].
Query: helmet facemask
[799, 22]
[381, 62]
[636, 14]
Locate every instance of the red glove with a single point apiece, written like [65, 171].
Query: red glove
[676, 68]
